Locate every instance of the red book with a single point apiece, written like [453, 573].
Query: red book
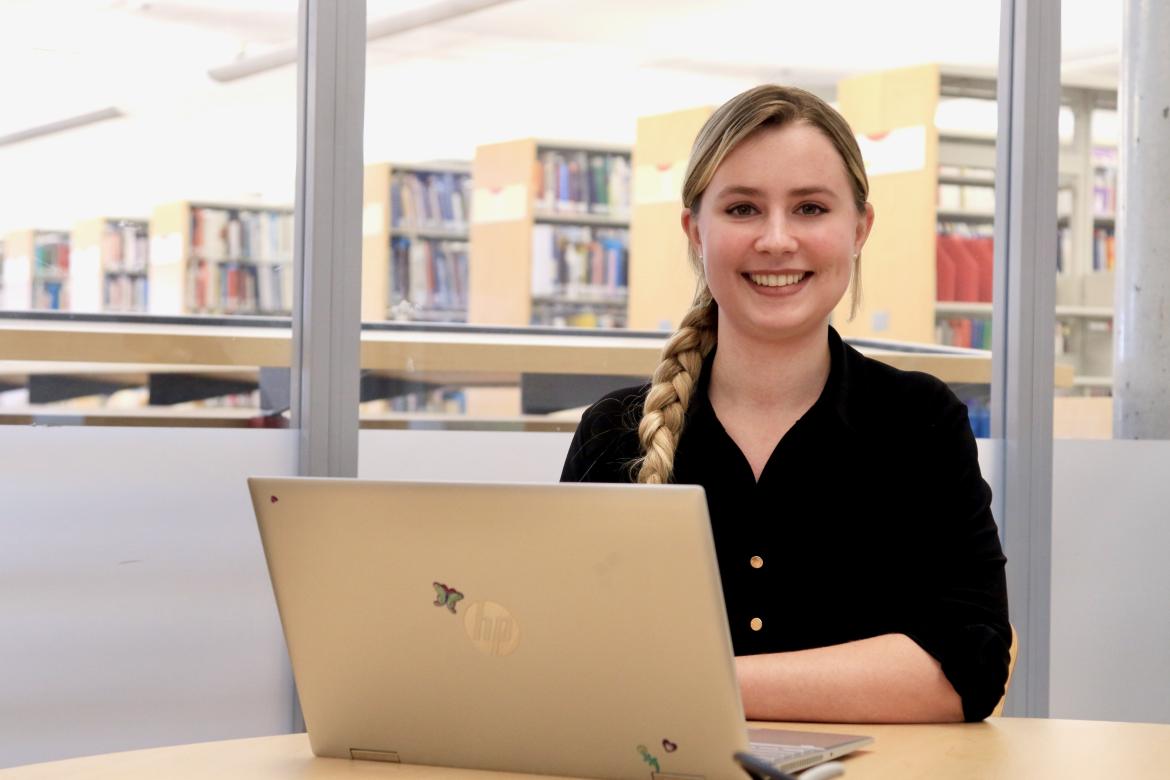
[966, 270]
[944, 269]
[984, 248]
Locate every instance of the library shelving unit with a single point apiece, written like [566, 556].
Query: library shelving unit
[415, 242]
[214, 258]
[662, 284]
[108, 266]
[927, 269]
[550, 234]
[36, 270]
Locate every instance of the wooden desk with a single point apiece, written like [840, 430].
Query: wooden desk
[1020, 748]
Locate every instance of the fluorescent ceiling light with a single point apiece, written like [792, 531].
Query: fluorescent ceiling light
[391, 25]
[62, 124]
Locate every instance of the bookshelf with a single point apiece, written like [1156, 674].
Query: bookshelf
[213, 258]
[661, 282]
[36, 270]
[415, 241]
[550, 234]
[927, 275]
[109, 266]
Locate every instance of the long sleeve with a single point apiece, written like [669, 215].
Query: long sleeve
[963, 620]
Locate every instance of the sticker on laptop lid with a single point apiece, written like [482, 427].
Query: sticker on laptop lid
[274, 499]
[446, 597]
[669, 746]
[648, 758]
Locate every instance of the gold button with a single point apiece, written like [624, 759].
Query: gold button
[757, 624]
[757, 562]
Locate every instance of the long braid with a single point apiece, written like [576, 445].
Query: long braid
[664, 411]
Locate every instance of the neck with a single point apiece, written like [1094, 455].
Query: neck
[749, 373]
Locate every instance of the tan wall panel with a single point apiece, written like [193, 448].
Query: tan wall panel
[375, 242]
[662, 282]
[500, 273]
[898, 263]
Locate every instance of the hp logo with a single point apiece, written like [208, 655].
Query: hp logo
[491, 628]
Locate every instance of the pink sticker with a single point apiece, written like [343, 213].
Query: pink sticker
[273, 499]
[669, 746]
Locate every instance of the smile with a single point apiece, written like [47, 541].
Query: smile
[778, 280]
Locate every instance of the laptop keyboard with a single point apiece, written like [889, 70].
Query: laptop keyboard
[784, 754]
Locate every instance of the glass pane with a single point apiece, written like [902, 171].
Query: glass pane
[1087, 218]
[147, 222]
[524, 240]
[145, 274]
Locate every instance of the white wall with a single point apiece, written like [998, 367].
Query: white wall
[1111, 581]
[135, 605]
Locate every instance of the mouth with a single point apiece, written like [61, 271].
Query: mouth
[788, 280]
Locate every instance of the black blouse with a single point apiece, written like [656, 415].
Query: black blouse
[870, 517]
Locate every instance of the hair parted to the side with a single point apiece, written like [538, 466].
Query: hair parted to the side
[673, 383]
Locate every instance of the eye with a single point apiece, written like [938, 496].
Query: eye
[810, 209]
[741, 210]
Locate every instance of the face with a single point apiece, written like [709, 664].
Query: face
[777, 229]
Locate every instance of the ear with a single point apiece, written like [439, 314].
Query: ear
[864, 226]
[690, 226]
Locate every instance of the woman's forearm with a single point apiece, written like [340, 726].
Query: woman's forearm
[884, 679]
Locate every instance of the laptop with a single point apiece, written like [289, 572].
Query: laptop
[553, 629]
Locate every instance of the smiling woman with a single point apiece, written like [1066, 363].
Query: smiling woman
[797, 438]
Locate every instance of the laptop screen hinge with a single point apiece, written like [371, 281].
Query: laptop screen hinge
[388, 756]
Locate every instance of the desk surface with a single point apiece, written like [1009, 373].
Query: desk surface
[999, 748]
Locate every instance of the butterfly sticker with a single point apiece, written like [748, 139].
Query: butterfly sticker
[446, 597]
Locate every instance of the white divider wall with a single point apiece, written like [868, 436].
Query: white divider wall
[472, 456]
[135, 605]
[1111, 580]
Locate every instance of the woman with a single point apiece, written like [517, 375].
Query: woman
[861, 566]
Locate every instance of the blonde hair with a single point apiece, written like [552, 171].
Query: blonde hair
[673, 383]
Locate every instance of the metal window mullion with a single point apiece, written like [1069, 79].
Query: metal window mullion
[326, 321]
[326, 324]
[1023, 328]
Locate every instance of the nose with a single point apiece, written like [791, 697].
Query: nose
[776, 236]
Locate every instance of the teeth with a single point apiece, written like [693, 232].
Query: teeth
[776, 280]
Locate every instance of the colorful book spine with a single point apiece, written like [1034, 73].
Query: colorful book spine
[240, 261]
[579, 275]
[582, 182]
[430, 200]
[428, 279]
[964, 265]
[50, 272]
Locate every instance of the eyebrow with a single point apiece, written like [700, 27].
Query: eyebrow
[799, 192]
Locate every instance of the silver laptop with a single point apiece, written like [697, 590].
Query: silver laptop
[555, 629]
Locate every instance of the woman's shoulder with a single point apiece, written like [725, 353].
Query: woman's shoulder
[885, 394]
[617, 410]
[606, 440]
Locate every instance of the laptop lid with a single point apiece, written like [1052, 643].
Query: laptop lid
[555, 629]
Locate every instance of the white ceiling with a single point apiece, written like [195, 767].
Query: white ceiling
[550, 68]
